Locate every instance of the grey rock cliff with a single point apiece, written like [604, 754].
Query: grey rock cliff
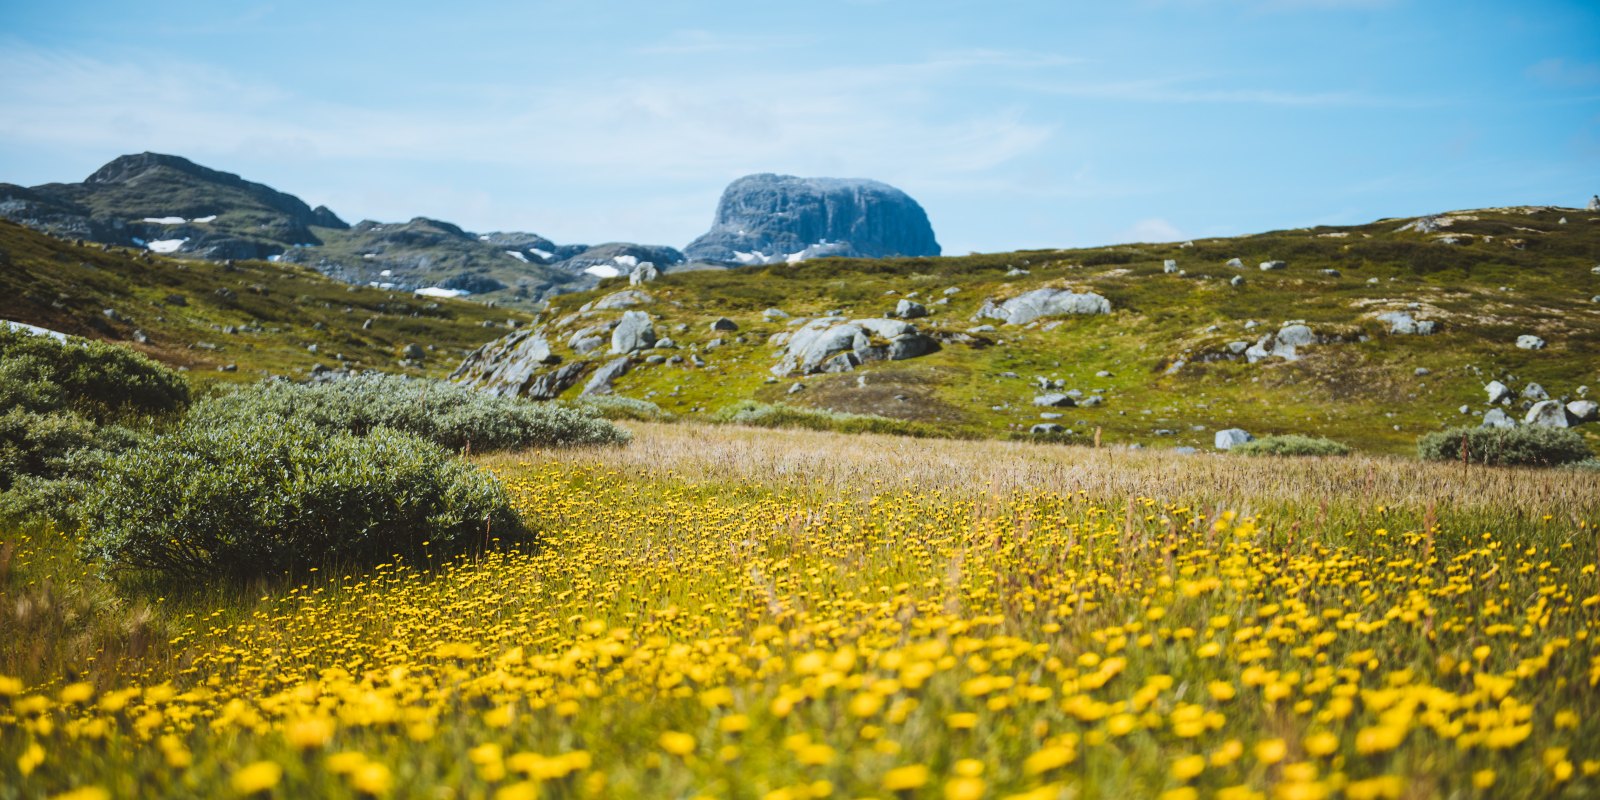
[766, 218]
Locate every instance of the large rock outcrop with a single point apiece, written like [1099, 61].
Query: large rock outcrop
[1029, 306]
[514, 365]
[767, 219]
[831, 344]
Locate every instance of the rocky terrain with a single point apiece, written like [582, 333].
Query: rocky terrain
[1371, 335]
[771, 219]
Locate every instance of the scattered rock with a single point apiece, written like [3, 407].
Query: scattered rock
[414, 352]
[1270, 266]
[774, 314]
[1528, 341]
[910, 309]
[634, 332]
[1421, 371]
[228, 368]
[1046, 427]
[1226, 439]
[1549, 413]
[796, 387]
[1169, 266]
[1235, 263]
[141, 337]
[1054, 401]
[1498, 418]
[1497, 391]
[724, 324]
[1582, 411]
[176, 300]
[1237, 280]
[627, 298]
[644, 273]
[1534, 392]
[1403, 324]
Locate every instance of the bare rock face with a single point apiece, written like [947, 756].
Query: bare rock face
[768, 219]
[506, 366]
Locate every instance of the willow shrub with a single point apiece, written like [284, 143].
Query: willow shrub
[241, 501]
[1291, 444]
[444, 413]
[1524, 445]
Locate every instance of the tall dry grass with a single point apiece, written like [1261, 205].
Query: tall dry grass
[835, 465]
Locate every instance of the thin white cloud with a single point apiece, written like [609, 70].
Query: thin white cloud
[867, 118]
[1561, 72]
[1153, 229]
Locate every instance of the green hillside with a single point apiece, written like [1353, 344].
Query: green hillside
[262, 318]
[1502, 274]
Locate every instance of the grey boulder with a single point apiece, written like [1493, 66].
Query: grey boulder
[1497, 391]
[1548, 413]
[1498, 418]
[633, 332]
[600, 382]
[1029, 306]
[1528, 341]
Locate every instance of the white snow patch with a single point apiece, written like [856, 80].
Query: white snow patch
[388, 273]
[544, 254]
[438, 291]
[209, 218]
[275, 259]
[517, 255]
[626, 261]
[33, 329]
[165, 220]
[166, 245]
[603, 271]
[750, 259]
[138, 241]
[483, 237]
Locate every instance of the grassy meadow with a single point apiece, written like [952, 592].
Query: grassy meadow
[727, 612]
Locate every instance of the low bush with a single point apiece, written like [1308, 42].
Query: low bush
[1291, 444]
[242, 500]
[615, 406]
[100, 380]
[763, 415]
[444, 413]
[1531, 445]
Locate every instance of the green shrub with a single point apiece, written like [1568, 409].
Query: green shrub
[1291, 444]
[243, 500]
[763, 415]
[1534, 445]
[447, 414]
[615, 406]
[100, 380]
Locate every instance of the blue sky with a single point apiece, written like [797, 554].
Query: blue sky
[1015, 124]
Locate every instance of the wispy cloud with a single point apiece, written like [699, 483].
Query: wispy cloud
[696, 42]
[1561, 72]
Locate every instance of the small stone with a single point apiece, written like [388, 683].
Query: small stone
[724, 324]
[1421, 371]
[1528, 341]
[1271, 266]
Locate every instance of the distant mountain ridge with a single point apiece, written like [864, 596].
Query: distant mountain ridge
[168, 204]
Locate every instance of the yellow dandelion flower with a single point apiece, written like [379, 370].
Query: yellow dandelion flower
[964, 788]
[901, 779]
[1188, 767]
[677, 743]
[1271, 751]
[260, 776]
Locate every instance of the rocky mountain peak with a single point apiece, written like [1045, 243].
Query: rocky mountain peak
[767, 218]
